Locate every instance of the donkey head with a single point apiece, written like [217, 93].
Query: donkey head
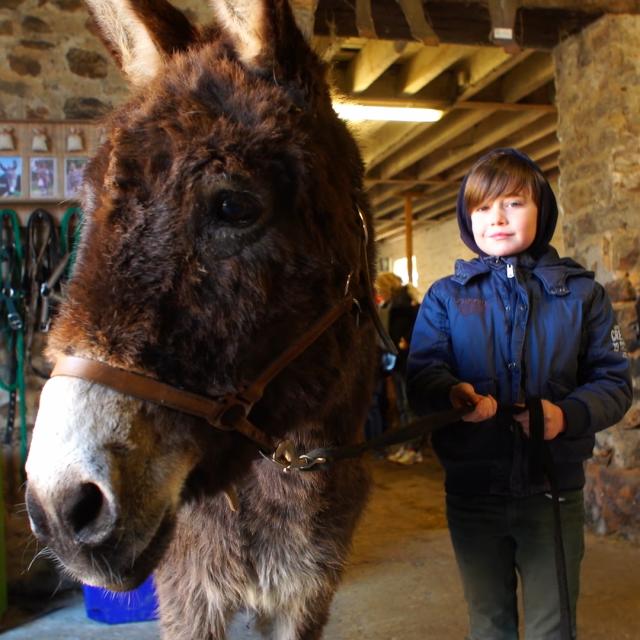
[221, 219]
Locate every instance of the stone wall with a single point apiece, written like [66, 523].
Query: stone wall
[598, 96]
[53, 67]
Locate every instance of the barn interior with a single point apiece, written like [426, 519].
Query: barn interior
[557, 79]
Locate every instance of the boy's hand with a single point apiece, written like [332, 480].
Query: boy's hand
[554, 420]
[481, 407]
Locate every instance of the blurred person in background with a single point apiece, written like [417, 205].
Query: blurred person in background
[398, 309]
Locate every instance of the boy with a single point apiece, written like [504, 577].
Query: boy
[516, 322]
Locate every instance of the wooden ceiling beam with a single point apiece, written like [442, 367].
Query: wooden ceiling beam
[392, 137]
[521, 139]
[485, 66]
[371, 62]
[403, 182]
[506, 106]
[548, 144]
[428, 64]
[617, 6]
[384, 90]
[516, 87]
[533, 73]
[488, 133]
[432, 193]
[544, 147]
[420, 141]
[539, 129]
[503, 23]
[451, 126]
[415, 17]
[441, 197]
[467, 22]
[364, 19]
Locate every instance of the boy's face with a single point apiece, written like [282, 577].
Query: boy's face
[505, 226]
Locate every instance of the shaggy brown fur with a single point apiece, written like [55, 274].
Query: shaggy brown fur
[221, 222]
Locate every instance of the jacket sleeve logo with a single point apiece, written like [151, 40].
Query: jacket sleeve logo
[617, 340]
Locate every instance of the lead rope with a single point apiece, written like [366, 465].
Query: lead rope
[541, 463]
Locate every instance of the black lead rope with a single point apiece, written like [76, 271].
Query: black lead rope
[541, 464]
[419, 427]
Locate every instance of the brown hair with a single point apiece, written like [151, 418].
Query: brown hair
[387, 284]
[501, 173]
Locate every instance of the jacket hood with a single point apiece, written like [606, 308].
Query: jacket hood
[547, 209]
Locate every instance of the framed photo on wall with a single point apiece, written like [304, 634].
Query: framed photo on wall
[73, 172]
[11, 185]
[43, 177]
[384, 264]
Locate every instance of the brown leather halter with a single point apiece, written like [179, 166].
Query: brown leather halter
[229, 412]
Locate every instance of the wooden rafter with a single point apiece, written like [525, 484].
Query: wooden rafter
[455, 124]
[364, 19]
[428, 64]
[503, 23]
[455, 22]
[417, 21]
[441, 200]
[371, 62]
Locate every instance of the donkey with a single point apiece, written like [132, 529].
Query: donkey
[223, 220]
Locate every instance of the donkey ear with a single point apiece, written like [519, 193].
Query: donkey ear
[264, 33]
[141, 34]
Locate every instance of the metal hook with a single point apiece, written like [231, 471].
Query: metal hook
[287, 459]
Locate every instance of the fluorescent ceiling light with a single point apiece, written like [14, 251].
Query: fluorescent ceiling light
[357, 112]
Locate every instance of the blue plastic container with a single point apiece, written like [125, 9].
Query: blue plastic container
[114, 607]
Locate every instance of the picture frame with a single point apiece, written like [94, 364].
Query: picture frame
[384, 264]
[74, 167]
[11, 177]
[43, 177]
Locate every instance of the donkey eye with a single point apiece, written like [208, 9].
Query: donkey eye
[237, 208]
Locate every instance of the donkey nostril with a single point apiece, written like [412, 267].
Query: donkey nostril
[84, 507]
[37, 516]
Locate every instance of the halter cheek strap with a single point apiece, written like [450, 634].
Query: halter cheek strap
[227, 413]
[230, 412]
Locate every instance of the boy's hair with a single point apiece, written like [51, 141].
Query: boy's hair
[499, 173]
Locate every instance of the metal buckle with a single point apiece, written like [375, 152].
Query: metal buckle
[286, 457]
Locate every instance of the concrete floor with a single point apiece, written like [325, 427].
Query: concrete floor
[401, 582]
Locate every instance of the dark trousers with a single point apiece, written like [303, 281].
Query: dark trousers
[496, 538]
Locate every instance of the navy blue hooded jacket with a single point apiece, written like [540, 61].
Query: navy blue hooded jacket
[516, 327]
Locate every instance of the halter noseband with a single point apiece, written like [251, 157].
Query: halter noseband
[230, 412]
[227, 413]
